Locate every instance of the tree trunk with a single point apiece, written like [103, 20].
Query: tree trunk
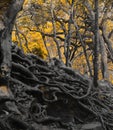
[8, 13]
[96, 46]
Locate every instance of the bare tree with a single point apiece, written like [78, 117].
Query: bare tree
[76, 33]
[54, 30]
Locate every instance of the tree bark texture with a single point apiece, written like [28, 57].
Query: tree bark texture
[96, 44]
[8, 13]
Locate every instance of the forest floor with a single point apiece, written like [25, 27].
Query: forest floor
[45, 95]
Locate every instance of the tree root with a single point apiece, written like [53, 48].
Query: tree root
[46, 93]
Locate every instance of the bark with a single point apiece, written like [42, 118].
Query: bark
[9, 12]
[96, 46]
[104, 65]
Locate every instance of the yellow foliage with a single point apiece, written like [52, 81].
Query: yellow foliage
[34, 40]
[109, 25]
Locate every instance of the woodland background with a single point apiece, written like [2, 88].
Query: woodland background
[66, 29]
